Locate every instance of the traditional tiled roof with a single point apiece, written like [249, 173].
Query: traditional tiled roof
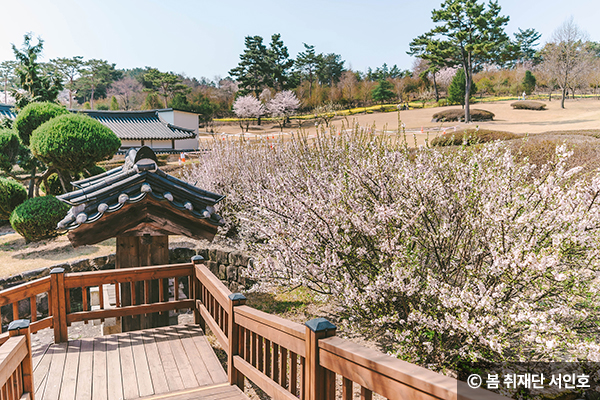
[7, 111]
[137, 184]
[139, 125]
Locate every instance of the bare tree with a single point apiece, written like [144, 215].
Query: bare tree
[125, 90]
[566, 57]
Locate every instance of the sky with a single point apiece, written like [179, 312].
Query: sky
[205, 38]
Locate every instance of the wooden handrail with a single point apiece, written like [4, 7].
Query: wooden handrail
[285, 359]
[16, 368]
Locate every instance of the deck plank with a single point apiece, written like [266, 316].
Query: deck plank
[129, 378]
[142, 370]
[113, 369]
[159, 379]
[55, 372]
[69, 379]
[168, 361]
[86, 365]
[199, 367]
[40, 373]
[214, 367]
[99, 372]
[37, 354]
[183, 363]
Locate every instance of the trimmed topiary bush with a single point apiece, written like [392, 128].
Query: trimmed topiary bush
[33, 115]
[459, 115]
[73, 142]
[9, 148]
[37, 218]
[12, 194]
[528, 105]
[471, 137]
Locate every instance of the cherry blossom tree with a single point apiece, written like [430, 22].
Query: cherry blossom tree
[282, 106]
[246, 108]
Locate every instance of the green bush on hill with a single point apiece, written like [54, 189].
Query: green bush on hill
[12, 194]
[36, 218]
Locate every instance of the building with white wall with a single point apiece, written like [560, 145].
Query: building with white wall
[158, 129]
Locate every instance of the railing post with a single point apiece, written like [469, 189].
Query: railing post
[20, 327]
[59, 308]
[319, 382]
[235, 377]
[198, 320]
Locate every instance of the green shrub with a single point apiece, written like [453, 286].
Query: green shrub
[73, 142]
[459, 115]
[93, 171]
[442, 103]
[54, 187]
[37, 218]
[9, 148]
[528, 105]
[471, 136]
[33, 115]
[12, 194]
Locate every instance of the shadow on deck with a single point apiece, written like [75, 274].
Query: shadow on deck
[174, 362]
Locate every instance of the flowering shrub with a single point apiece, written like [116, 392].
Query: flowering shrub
[457, 255]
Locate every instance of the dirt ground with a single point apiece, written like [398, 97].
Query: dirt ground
[579, 114]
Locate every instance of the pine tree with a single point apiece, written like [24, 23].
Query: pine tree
[529, 82]
[383, 91]
[456, 91]
[114, 104]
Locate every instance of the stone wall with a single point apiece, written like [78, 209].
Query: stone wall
[228, 265]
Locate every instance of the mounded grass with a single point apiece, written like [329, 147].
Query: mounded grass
[471, 136]
[528, 105]
[459, 115]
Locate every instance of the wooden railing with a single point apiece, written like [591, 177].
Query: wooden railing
[26, 296]
[16, 369]
[286, 360]
[291, 361]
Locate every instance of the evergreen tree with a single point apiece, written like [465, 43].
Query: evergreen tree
[114, 104]
[330, 68]
[95, 78]
[69, 69]
[165, 84]
[383, 91]
[468, 35]
[456, 90]
[279, 64]
[307, 63]
[38, 86]
[529, 82]
[252, 72]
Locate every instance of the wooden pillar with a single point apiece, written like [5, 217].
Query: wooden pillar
[234, 376]
[20, 327]
[319, 382]
[59, 306]
[139, 251]
[198, 320]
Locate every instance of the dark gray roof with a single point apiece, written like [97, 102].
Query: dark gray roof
[7, 111]
[138, 125]
[138, 178]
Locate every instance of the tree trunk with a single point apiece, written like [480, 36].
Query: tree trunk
[92, 99]
[435, 88]
[32, 183]
[468, 78]
[562, 100]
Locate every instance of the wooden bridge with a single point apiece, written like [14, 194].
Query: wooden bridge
[285, 359]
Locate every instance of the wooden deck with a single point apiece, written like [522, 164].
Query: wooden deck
[174, 362]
